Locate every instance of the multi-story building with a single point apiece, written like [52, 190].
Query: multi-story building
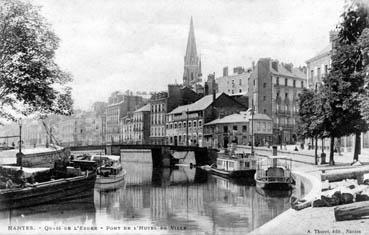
[119, 105]
[141, 125]
[320, 64]
[163, 102]
[192, 62]
[235, 83]
[238, 128]
[273, 90]
[126, 129]
[210, 85]
[185, 123]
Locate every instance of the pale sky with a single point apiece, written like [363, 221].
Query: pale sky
[139, 45]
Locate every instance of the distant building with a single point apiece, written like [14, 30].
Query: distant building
[126, 129]
[192, 63]
[185, 123]
[238, 128]
[274, 89]
[141, 125]
[319, 66]
[236, 83]
[163, 102]
[119, 105]
[210, 85]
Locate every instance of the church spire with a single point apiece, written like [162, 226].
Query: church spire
[191, 42]
[192, 69]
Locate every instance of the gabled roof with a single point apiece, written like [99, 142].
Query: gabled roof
[201, 104]
[145, 108]
[239, 118]
[284, 72]
[322, 53]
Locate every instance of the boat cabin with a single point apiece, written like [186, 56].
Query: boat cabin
[236, 162]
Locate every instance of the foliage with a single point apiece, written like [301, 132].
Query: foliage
[30, 80]
[363, 43]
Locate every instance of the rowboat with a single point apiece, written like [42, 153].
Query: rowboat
[109, 171]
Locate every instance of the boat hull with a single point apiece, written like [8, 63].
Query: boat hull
[50, 191]
[249, 174]
[273, 185]
[110, 179]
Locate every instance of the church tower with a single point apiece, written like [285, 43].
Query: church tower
[192, 63]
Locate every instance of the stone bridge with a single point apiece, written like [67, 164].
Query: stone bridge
[162, 155]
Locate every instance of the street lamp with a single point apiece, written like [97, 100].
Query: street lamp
[20, 143]
[252, 128]
[281, 135]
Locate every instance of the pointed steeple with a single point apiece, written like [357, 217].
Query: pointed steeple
[192, 64]
[191, 42]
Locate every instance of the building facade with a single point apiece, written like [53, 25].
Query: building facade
[236, 83]
[119, 105]
[238, 128]
[185, 124]
[192, 62]
[163, 102]
[141, 125]
[320, 64]
[273, 90]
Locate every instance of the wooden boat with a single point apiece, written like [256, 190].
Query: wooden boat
[237, 165]
[65, 183]
[274, 174]
[110, 170]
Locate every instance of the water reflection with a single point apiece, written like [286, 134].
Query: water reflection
[181, 197]
[191, 198]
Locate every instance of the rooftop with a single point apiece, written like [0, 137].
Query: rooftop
[201, 104]
[241, 117]
[145, 108]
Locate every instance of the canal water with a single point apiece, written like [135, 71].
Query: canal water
[165, 201]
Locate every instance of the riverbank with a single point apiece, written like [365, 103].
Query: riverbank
[318, 220]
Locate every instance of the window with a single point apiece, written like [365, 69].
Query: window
[194, 123]
[240, 82]
[180, 125]
[225, 129]
[232, 91]
[312, 73]
[235, 128]
[240, 90]
[265, 111]
[254, 82]
[184, 125]
[175, 125]
[326, 69]
[302, 84]
[189, 124]
[294, 83]
[200, 122]
[318, 73]
[264, 98]
[244, 128]
[277, 80]
[264, 85]
[286, 82]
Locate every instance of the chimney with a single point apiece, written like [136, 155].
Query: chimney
[225, 71]
[275, 65]
[214, 95]
[289, 67]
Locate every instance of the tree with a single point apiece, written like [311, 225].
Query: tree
[310, 113]
[344, 84]
[363, 43]
[30, 79]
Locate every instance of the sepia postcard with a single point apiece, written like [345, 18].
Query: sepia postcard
[184, 117]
